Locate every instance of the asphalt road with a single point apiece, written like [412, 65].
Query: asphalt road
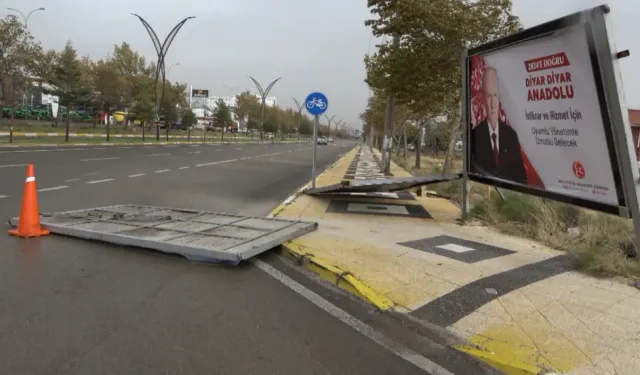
[69, 306]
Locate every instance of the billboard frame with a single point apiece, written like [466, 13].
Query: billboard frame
[615, 126]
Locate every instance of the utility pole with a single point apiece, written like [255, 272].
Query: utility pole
[387, 143]
[263, 95]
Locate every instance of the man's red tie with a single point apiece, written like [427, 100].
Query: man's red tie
[494, 137]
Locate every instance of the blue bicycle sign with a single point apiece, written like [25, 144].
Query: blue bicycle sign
[317, 103]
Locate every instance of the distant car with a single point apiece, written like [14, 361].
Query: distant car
[411, 147]
[323, 141]
[330, 139]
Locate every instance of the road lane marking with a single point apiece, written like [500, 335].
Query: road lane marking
[100, 148]
[163, 170]
[215, 162]
[238, 149]
[72, 180]
[54, 188]
[13, 165]
[136, 175]
[364, 329]
[125, 147]
[100, 181]
[184, 167]
[90, 173]
[98, 159]
[159, 155]
[4, 196]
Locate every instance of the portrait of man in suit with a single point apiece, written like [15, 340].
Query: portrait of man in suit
[495, 148]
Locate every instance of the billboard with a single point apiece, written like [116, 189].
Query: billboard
[537, 119]
[199, 93]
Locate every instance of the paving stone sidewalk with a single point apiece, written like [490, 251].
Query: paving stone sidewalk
[512, 302]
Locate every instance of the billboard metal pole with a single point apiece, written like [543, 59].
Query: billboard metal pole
[465, 135]
[614, 92]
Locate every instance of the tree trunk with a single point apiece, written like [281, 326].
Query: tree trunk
[455, 128]
[68, 123]
[404, 151]
[418, 146]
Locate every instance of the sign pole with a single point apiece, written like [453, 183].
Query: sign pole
[317, 104]
[316, 124]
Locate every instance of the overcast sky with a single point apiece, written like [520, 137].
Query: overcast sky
[312, 45]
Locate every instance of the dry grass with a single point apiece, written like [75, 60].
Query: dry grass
[601, 243]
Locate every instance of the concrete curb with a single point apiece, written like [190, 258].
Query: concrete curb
[137, 144]
[325, 269]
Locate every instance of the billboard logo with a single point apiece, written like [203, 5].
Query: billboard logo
[199, 93]
[578, 170]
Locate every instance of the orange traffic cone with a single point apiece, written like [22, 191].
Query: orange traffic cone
[29, 222]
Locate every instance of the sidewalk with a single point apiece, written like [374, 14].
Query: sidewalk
[513, 303]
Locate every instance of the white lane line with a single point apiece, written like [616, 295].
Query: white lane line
[215, 162]
[136, 175]
[159, 155]
[125, 147]
[217, 150]
[4, 196]
[289, 200]
[184, 167]
[90, 173]
[194, 152]
[72, 180]
[98, 159]
[13, 165]
[54, 188]
[100, 181]
[238, 149]
[366, 330]
[100, 148]
[163, 170]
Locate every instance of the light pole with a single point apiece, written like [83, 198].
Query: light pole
[161, 50]
[338, 124]
[329, 119]
[25, 18]
[300, 108]
[263, 95]
[171, 66]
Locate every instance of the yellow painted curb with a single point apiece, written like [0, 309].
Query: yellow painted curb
[502, 362]
[325, 269]
[335, 275]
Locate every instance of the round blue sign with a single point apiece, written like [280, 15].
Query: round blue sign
[316, 103]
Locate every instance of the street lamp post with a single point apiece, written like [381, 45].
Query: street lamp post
[25, 18]
[300, 108]
[263, 95]
[338, 124]
[329, 119]
[161, 50]
[171, 66]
